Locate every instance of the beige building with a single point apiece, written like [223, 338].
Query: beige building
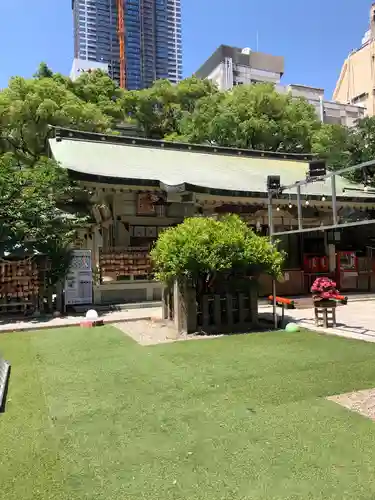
[356, 84]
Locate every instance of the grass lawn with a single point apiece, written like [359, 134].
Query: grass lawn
[92, 415]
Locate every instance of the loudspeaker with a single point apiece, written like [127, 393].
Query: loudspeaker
[317, 168]
[273, 182]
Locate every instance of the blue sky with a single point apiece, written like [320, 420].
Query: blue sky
[314, 37]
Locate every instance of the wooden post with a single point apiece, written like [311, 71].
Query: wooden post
[185, 307]
[229, 298]
[191, 308]
[253, 305]
[241, 307]
[176, 307]
[205, 313]
[166, 300]
[217, 311]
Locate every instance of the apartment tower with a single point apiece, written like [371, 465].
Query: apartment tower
[153, 48]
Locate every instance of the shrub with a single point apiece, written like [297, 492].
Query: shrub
[202, 246]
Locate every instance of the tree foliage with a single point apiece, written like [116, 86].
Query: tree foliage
[333, 143]
[32, 201]
[158, 110]
[28, 109]
[202, 246]
[251, 117]
[97, 88]
[34, 190]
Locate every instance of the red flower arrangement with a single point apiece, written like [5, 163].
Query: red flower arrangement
[324, 289]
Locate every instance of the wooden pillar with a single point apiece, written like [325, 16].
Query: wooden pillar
[229, 298]
[253, 299]
[185, 307]
[241, 308]
[217, 310]
[166, 304]
[205, 312]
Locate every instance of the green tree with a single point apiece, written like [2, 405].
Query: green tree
[44, 71]
[29, 107]
[251, 117]
[34, 191]
[205, 246]
[96, 87]
[335, 144]
[363, 141]
[32, 210]
[158, 110]
[348, 147]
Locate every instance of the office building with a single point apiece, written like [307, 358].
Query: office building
[231, 66]
[356, 83]
[152, 32]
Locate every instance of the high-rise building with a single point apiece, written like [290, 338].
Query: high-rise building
[153, 47]
[356, 83]
[229, 66]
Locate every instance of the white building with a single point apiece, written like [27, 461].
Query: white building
[84, 66]
[231, 66]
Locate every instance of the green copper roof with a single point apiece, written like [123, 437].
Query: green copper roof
[218, 173]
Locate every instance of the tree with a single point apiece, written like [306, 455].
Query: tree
[363, 141]
[251, 117]
[38, 201]
[32, 215]
[43, 71]
[29, 107]
[203, 247]
[334, 143]
[158, 110]
[96, 87]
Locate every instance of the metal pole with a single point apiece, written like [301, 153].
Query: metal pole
[370, 163]
[270, 225]
[334, 204]
[326, 228]
[299, 207]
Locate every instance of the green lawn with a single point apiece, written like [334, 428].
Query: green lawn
[92, 415]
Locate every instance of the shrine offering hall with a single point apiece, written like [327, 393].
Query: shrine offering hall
[139, 187]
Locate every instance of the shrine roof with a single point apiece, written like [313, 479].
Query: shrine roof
[208, 169]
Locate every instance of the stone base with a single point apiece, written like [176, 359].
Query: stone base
[87, 323]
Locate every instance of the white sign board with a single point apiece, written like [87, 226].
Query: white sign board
[78, 283]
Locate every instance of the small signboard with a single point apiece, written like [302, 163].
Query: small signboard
[78, 282]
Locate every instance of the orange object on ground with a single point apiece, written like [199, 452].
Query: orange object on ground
[281, 301]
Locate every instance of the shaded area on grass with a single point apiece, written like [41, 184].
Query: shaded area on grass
[91, 414]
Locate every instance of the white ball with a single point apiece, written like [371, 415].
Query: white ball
[92, 315]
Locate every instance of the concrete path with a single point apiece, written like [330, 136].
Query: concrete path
[64, 321]
[356, 320]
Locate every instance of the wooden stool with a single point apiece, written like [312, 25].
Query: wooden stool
[325, 313]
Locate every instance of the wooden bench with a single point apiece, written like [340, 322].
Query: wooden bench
[284, 304]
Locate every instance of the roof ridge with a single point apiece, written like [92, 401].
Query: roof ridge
[79, 135]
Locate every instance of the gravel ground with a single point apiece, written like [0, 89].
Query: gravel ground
[147, 332]
[362, 402]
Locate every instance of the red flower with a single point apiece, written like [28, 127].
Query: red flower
[324, 288]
